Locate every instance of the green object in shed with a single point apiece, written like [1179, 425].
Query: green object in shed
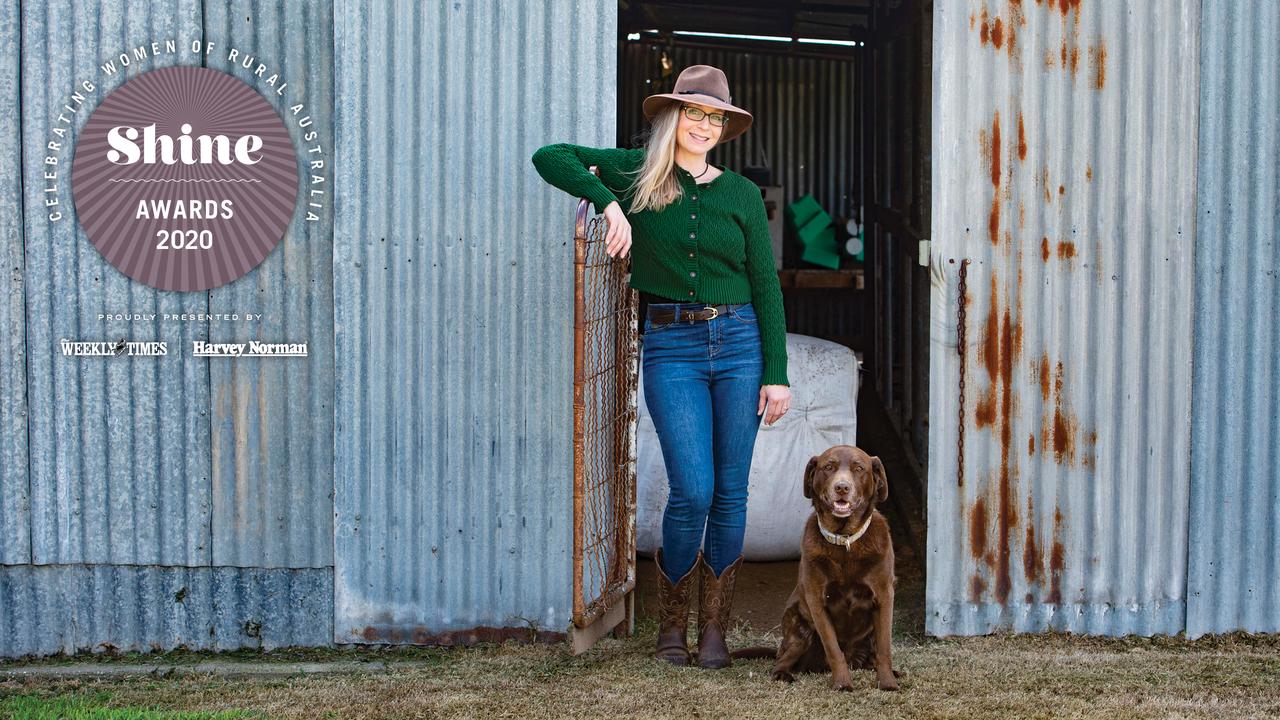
[816, 230]
[802, 211]
[823, 250]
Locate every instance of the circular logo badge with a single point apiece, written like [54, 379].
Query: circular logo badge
[184, 178]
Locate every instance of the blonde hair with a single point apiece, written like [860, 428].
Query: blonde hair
[655, 185]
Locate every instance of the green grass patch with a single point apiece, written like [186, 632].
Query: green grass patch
[94, 707]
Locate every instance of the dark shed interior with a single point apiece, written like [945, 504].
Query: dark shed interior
[840, 93]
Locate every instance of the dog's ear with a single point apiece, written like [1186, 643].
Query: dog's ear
[808, 476]
[882, 481]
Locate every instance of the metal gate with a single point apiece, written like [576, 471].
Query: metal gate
[604, 435]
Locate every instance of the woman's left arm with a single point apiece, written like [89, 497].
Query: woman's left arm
[766, 297]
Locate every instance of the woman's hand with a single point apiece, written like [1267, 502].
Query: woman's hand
[778, 399]
[618, 238]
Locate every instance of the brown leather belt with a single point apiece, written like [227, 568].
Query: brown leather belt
[687, 312]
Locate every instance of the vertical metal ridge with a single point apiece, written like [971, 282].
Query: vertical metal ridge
[15, 487]
[1235, 490]
[273, 432]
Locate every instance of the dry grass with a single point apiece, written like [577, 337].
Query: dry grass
[998, 676]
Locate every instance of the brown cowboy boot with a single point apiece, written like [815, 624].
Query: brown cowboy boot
[714, 606]
[673, 609]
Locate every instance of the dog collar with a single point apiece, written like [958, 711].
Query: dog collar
[846, 540]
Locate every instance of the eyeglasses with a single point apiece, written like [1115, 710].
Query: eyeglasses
[696, 113]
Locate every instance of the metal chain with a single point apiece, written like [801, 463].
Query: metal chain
[960, 348]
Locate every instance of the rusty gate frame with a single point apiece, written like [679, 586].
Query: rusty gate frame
[614, 607]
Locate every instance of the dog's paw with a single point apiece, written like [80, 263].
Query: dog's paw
[783, 675]
[842, 682]
[888, 681]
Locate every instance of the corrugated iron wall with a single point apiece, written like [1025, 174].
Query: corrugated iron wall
[805, 112]
[1064, 155]
[1235, 473]
[112, 520]
[15, 492]
[119, 469]
[453, 267]
[272, 420]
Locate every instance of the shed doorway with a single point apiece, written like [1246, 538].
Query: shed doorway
[840, 93]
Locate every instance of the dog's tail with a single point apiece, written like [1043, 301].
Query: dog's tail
[755, 651]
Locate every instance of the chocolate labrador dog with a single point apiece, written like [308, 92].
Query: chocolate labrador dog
[840, 615]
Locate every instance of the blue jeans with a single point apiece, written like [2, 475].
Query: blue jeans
[702, 388]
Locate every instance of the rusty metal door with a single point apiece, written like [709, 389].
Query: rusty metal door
[1064, 144]
[605, 357]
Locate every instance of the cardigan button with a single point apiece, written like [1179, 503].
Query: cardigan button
[694, 216]
[693, 274]
[690, 293]
[693, 235]
[695, 197]
[690, 254]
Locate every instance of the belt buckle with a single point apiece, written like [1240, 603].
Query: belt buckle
[715, 312]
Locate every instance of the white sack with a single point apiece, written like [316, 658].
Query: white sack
[824, 398]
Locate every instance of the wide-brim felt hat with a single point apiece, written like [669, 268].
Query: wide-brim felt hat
[703, 85]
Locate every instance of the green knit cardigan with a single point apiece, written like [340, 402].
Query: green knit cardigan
[710, 246]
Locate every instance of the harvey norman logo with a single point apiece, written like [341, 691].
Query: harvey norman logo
[253, 348]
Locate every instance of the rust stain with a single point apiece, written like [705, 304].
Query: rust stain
[1075, 60]
[1050, 61]
[1032, 562]
[1016, 15]
[1044, 180]
[1043, 371]
[1022, 215]
[985, 414]
[978, 528]
[1088, 173]
[972, 19]
[421, 635]
[991, 335]
[1044, 249]
[1001, 347]
[997, 33]
[1022, 138]
[977, 586]
[1064, 53]
[1056, 560]
[1064, 426]
[1062, 189]
[1031, 444]
[1098, 56]
[995, 150]
[1090, 456]
[984, 30]
[993, 222]
[1066, 250]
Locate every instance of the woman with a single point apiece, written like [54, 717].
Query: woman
[714, 341]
